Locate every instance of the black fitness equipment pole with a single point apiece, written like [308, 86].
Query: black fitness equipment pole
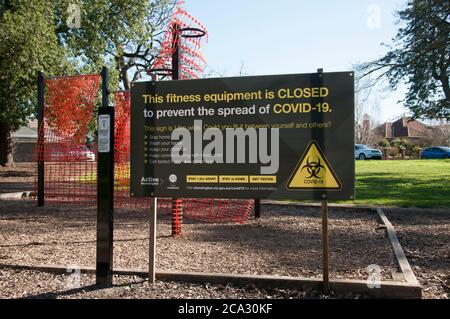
[41, 139]
[105, 187]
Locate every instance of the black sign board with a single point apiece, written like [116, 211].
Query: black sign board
[274, 137]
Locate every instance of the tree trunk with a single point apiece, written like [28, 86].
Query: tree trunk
[6, 145]
[445, 86]
[125, 80]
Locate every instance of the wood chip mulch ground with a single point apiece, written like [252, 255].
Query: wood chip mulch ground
[286, 241]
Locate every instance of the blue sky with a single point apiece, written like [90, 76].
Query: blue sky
[298, 36]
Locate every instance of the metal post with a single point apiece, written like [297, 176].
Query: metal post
[152, 243]
[318, 117]
[152, 232]
[257, 208]
[176, 39]
[325, 267]
[105, 188]
[40, 118]
[177, 204]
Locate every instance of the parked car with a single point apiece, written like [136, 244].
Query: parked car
[68, 153]
[363, 152]
[435, 152]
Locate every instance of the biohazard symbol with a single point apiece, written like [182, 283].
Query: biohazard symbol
[313, 171]
[313, 168]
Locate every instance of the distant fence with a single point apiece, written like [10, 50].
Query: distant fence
[394, 153]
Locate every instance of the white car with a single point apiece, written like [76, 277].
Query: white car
[363, 152]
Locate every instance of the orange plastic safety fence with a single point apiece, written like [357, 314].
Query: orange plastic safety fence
[70, 170]
[211, 210]
[70, 167]
[122, 140]
[192, 63]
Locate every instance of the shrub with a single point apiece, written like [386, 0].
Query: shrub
[410, 148]
[384, 143]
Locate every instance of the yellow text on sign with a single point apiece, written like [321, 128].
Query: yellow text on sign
[202, 179]
[313, 171]
[233, 179]
[263, 179]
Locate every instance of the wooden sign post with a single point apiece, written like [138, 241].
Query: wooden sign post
[325, 259]
[152, 242]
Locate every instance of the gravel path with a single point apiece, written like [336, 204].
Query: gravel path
[20, 173]
[17, 179]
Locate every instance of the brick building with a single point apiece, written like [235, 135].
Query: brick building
[406, 129]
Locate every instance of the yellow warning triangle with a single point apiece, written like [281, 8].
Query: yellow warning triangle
[313, 171]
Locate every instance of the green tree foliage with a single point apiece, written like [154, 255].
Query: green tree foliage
[122, 34]
[420, 58]
[34, 36]
[384, 143]
[28, 44]
[404, 144]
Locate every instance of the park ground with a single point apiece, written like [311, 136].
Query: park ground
[415, 183]
[286, 241]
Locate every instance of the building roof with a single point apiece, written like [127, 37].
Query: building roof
[403, 127]
[26, 132]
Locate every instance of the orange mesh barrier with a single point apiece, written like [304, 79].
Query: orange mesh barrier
[70, 156]
[192, 63]
[70, 161]
[122, 154]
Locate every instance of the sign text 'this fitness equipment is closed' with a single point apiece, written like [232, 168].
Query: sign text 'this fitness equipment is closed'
[276, 137]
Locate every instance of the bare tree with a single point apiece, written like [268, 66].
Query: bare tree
[442, 133]
[366, 105]
[419, 57]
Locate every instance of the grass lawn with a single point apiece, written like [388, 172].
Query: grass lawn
[419, 183]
